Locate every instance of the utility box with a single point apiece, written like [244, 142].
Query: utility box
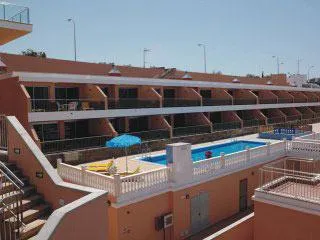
[180, 162]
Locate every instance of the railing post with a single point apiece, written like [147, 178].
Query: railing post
[268, 148]
[83, 175]
[247, 154]
[117, 185]
[222, 160]
[285, 146]
[59, 161]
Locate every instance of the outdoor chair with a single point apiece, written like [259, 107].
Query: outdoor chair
[100, 167]
[72, 106]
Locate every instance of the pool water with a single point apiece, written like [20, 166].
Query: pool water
[199, 153]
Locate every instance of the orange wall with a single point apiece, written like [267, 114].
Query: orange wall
[244, 94]
[136, 221]
[88, 221]
[188, 93]
[243, 230]
[29, 164]
[14, 100]
[273, 222]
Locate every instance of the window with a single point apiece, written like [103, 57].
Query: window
[47, 132]
[128, 93]
[67, 93]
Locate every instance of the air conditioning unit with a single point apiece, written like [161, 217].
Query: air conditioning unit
[163, 221]
[168, 220]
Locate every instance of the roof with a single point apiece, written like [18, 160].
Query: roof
[20, 63]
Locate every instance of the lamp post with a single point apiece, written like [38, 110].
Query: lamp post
[278, 64]
[204, 56]
[299, 61]
[308, 76]
[145, 50]
[74, 38]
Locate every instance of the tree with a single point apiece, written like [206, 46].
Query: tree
[32, 53]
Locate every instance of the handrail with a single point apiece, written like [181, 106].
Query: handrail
[71, 139]
[12, 174]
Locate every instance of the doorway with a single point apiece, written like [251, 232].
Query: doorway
[199, 212]
[243, 195]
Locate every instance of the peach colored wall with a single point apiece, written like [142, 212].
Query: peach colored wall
[311, 96]
[244, 94]
[230, 117]
[259, 115]
[188, 93]
[101, 126]
[35, 137]
[137, 220]
[276, 113]
[197, 119]
[90, 221]
[15, 100]
[298, 95]
[158, 122]
[266, 95]
[283, 94]
[241, 231]
[30, 165]
[273, 222]
[290, 111]
[221, 206]
[146, 92]
[220, 94]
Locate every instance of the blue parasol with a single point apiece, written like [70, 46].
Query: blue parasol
[123, 141]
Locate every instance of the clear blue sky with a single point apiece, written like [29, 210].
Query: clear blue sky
[241, 35]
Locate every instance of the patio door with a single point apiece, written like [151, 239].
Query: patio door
[199, 212]
[243, 195]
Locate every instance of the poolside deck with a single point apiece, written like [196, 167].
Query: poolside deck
[134, 162]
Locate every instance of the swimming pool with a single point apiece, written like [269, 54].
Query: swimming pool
[199, 153]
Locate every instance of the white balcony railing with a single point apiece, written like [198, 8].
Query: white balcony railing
[145, 183]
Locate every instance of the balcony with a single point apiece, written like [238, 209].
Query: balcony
[191, 130]
[64, 145]
[268, 101]
[215, 102]
[253, 122]
[129, 103]
[179, 102]
[14, 22]
[152, 134]
[226, 126]
[291, 178]
[53, 105]
[242, 101]
[285, 100]
[275, 120]
[293, 118]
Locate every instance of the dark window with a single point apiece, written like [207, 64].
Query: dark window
[67, 93]
[118, 124]
[76, 129]
[243, 195]
[179, 120]
[47, 132]
[205, 93]
[169, 93]
[138, 124]
[128, 93]
[216, 117]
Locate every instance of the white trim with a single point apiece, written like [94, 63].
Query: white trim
[96, 79]
[16, 26]
[73, 115]
[287, 202]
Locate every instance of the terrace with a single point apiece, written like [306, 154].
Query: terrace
[294, 178]
[14, 22]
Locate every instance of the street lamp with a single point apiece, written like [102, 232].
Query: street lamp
[204, 56]
[145, 50]
[278, 64]
[74, 38]
[309, 72]
[299, 61]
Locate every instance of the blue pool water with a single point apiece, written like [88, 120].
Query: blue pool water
[199, 153]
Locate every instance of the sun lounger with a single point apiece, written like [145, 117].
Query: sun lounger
[100, 167]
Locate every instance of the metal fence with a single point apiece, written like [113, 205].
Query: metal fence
[127, 103]
[226, 126]
[177, 102]
[239, 101]
[268, 101]
[73, 144]
[152, 134]
[215, 102]
[292, 177]
[253, 122]
[14, 13]
[191, 130]
[53, 105]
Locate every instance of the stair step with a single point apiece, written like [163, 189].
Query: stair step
[32, 214]
[27, 203]
[31, 229]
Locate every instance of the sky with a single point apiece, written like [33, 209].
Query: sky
[241, 36]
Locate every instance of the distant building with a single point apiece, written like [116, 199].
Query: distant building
[297, 80]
